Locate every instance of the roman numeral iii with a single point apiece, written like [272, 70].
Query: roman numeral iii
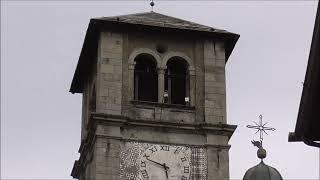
[186, 169]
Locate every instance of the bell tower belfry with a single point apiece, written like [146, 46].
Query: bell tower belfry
[154, 99]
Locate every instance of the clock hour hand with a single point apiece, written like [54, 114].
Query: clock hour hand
[165, 166]
[166, 169]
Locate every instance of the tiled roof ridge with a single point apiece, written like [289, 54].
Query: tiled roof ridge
[143, 18]
[123, 15]
[215, 29]
[184, 20]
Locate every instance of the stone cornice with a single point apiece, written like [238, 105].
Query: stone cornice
[126, 122]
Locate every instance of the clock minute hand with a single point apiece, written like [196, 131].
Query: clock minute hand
[156, 162]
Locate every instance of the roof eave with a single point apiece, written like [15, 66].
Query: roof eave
[90, 38]
[232, 41]
[310, 98]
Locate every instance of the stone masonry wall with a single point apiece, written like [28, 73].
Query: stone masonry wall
[109, 92]
[215, 109]
[107, 159]
[86, 102]
[218, 163]
[214, 86]
[115, 91]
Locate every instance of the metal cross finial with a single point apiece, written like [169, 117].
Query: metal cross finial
[261, 128]
[151, 4]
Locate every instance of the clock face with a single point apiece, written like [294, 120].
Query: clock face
[146, 161]
[165, 162]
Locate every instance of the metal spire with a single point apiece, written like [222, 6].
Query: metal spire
[261, 128]
[151, 4]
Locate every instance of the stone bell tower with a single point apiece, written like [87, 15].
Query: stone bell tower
[154, 99]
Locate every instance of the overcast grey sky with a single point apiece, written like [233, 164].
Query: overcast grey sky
[41, 43]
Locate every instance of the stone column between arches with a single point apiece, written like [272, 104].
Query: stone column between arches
[131, 80]
[192, 86]
[161, 72]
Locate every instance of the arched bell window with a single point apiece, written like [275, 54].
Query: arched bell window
[177, 81]
[145, 78]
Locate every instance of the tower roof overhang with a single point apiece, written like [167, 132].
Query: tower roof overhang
[308, 122]
[148, 23]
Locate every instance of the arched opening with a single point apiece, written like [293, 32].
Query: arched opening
[177, 81]
[145, 78]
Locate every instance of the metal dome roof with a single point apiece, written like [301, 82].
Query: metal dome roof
[262, 172]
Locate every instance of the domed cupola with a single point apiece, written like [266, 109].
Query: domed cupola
[261, 171]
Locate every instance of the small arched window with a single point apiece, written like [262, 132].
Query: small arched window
[145, 78]
[177, 81]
